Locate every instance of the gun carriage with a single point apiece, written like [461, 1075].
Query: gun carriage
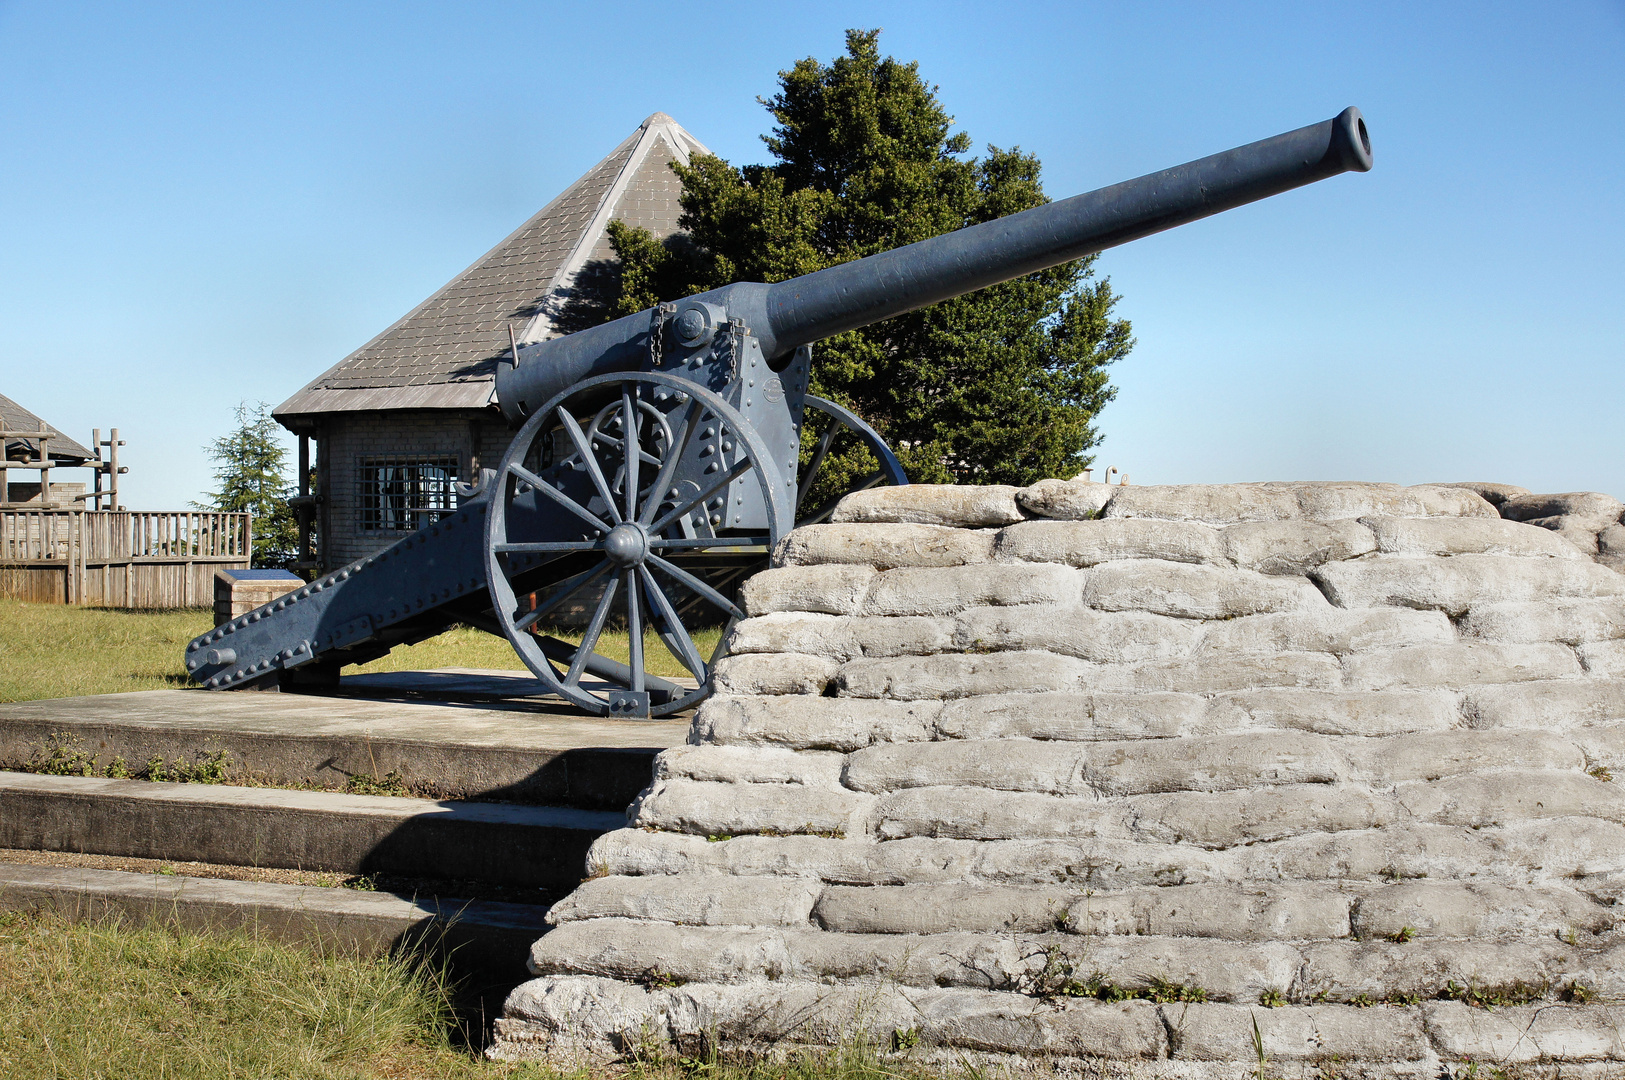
[660, 457]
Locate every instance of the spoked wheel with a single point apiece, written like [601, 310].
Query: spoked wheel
[620, 497]
[847, 455]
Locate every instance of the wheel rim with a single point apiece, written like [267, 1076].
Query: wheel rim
[639, 527]
[844, 425]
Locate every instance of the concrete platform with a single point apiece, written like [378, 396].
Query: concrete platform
[452, 733]
[537, 846]
[486, 940]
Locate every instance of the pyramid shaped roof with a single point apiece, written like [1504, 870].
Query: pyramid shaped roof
[443, 353]
[59, 448]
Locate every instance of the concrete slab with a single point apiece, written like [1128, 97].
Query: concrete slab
[503, 746]
[483, 938]
[308, 830]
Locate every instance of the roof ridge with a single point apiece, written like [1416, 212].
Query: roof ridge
[452, 338]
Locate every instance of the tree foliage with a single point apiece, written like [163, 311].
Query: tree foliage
[1001, 386]
[249, 466]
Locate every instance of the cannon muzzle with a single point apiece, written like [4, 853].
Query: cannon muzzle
[831, 301]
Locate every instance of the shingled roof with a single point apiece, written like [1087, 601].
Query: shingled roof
[443, 353]
[59, 448]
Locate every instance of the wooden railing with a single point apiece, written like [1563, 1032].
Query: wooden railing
[119, 558]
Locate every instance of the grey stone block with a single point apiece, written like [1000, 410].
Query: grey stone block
[749, 765]
[1334, 712]
[941, 908]
[1297, 1033]
[1564, 848]
[1228, 818]
[1278, 912]
[1327, 629]
[1458, 584]
[1071, 716]
[1427, 667]
[1494, 494]
[812, 723]
[970, 813]
[775, 673]
[1295, 547]
[884, 546]
[724, 809]
[833, 589]
[1094, 863]
[1227, 970]
[1068, 500]
[692, 900]
[1465, 536]
[955, 675]
[1396, 852]
[1562, 620]
[1434, 755]
[1555, 705]
[1209, 763]
[1085, 543]
[1213, 504]
[1341, 971]
[1514, 796]
[949, 589]
[850, 862]
[967, 506]
[1526, 1034]
[796, 632]
[1101, 637]
[1194, 592]
[1449, 909]
[1221, 672]
[1591, 506]
[1605, 659]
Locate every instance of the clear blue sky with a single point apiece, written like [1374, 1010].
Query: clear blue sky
[207, 203]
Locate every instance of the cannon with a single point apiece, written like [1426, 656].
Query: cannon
[660, 457]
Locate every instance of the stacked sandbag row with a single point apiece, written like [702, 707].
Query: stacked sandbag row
[1125, 785]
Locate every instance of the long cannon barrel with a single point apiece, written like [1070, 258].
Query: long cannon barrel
[864, 291]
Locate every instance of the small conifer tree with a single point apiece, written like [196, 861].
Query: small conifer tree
[249, 471]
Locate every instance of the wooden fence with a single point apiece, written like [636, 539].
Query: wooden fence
[119, 558]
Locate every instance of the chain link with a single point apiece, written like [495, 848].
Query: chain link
[657, 325]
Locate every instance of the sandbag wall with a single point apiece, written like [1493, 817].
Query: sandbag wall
[1170, 777]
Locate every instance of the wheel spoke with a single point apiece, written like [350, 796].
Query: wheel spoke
[542, 486]
[828, 508]
[676, 633]
[561, 545]
[589, 640]
[681, 543]
[668, 468]
[698, 586]
[567, 588]
[634, 631]
[813, 466]
[738, 470]
[589, 459]
[632, 436]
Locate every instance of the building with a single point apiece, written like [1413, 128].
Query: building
[22, 436]
[400, 421]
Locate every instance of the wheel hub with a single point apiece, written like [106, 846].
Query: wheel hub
[627, 544]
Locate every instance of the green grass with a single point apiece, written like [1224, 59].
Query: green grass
[104, 1000]
[84, 1001]
[51, 650]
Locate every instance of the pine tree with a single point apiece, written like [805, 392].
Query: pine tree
[249, 472]
[1001, 386]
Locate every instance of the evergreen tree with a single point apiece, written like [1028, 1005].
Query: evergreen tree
[249, 471]
[1001, 386]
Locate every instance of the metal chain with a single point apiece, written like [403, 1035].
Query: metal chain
[657, 325]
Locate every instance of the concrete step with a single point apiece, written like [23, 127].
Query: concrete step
[537, 846]
[487, 942]
[484, 738]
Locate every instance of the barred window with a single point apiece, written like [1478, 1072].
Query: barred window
[401, 494]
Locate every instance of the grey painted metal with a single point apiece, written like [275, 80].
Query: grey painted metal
[805, 309]
[744, 352]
